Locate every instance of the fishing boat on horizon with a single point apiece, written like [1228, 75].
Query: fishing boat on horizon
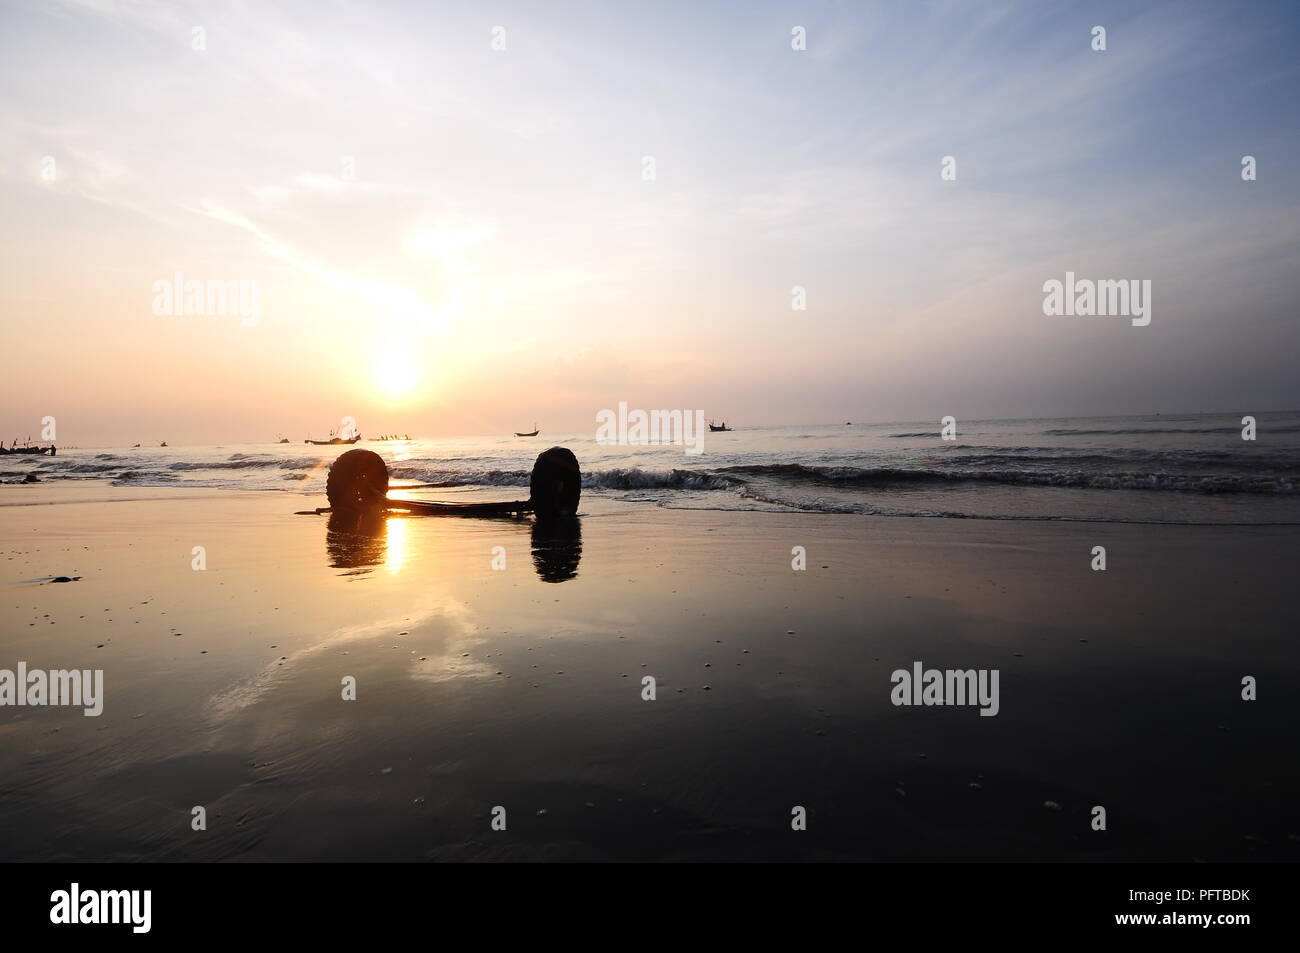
[333, 441]
[535, 432]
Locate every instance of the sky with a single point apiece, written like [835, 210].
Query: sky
[447, 214]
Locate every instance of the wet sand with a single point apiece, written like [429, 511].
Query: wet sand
[521, 687]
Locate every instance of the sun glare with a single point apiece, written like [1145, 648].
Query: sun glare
[396, 374]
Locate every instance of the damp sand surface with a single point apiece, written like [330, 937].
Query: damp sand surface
[522, 687]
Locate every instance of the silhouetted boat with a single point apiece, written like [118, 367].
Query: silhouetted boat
[720, 428]
[25, 450]
[333, 441]
[533, 434]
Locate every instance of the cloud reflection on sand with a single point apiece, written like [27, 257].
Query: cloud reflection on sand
[456, 635]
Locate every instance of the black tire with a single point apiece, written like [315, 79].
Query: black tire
[556, 484]
[357, 482]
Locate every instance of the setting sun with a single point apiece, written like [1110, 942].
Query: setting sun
[396, 374]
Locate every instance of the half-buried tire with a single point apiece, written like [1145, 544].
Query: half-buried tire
[357, 482]
[555, 484]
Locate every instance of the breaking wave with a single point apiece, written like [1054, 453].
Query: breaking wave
[632, 478]
[885, 476]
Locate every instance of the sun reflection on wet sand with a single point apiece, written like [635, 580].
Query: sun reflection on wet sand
[398, 544]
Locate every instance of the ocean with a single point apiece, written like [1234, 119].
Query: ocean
[1168, 469]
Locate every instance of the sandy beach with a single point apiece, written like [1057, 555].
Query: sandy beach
[521, 687]
[831, 434]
